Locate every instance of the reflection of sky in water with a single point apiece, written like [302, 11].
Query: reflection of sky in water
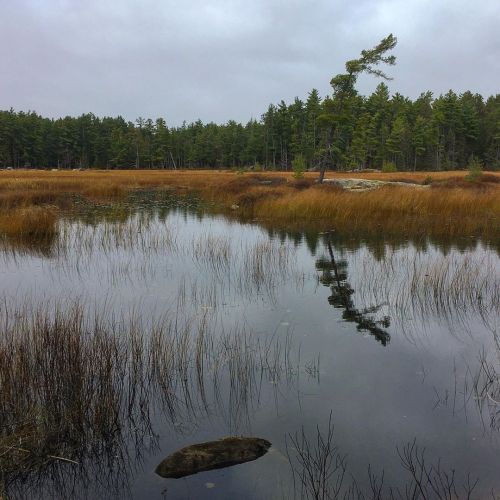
[380, 396]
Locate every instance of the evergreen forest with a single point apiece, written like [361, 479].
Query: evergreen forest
[375, 131]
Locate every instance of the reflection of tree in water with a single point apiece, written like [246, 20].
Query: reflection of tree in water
[334, 275]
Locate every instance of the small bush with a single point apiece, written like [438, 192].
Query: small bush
[298, 167]
[475, 168]
[389, 166]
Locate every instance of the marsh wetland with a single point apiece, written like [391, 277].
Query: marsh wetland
[138, 326]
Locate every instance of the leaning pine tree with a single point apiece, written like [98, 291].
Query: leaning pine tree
[338, 109]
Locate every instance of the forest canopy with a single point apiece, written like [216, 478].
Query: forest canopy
[428, 133]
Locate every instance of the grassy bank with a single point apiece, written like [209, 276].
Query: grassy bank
[452, 206]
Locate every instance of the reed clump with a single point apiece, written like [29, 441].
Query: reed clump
[75, 383]
[37, 224]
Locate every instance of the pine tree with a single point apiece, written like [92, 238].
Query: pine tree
[338, 110]
[311, 139]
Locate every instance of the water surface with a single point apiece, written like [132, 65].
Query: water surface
[382, 337]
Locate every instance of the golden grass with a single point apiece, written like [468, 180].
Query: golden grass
[30, 223]
[389, 209]
[453, 207]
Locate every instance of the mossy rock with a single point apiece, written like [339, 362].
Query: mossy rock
[212, 455]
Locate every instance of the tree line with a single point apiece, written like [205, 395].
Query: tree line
[427, 133]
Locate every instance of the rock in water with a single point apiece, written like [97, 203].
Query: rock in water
[212, 455]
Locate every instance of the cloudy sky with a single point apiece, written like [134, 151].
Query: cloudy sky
[228, 59]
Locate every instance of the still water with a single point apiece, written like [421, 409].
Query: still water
[382, 339]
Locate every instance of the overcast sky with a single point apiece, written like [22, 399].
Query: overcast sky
[219, 60]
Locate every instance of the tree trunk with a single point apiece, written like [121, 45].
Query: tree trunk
[325, 156]
[322, 170]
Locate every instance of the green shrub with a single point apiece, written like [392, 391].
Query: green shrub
[475, 168]
[389, 166]
[298, 167]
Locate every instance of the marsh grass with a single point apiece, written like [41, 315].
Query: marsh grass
[389, 210]
[75, 384]
[485, 384]
[449, 209]
[224, 266]
[450, 287]
[136, 234]
[416, 286]
[321, 472]
[233, 268]
[213, 251]
[32, 224]
[419, 284]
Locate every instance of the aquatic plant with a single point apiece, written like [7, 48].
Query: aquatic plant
[33, 224]
[320, 472]
[74, 383]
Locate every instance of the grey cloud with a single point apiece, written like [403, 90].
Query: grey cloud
[218, 59]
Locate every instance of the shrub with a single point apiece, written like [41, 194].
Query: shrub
[299, 167]
[475, 168]
[389, 166]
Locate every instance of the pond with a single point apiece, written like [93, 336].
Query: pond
[351, 356]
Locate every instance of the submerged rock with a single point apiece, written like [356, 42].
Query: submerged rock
[212, 455]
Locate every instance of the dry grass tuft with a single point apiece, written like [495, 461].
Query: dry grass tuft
[32, 223]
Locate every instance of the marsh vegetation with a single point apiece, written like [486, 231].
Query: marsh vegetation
[138, 318]
[454, 207]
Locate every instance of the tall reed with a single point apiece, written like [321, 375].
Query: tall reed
[74, 384]
[320, 472]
